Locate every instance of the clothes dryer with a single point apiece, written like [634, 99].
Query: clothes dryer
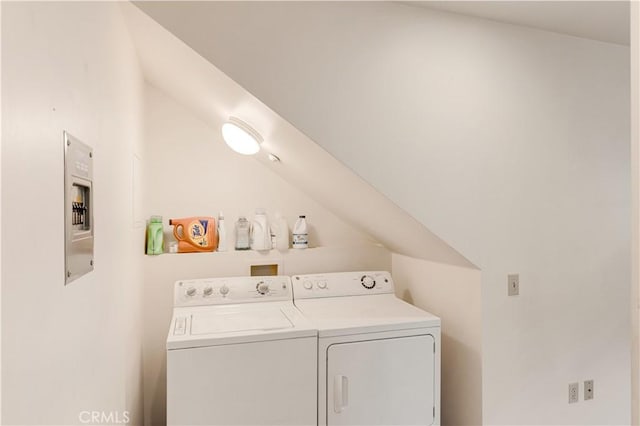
[378, 356]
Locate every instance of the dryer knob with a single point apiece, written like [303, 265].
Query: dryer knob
[308, 285]
[262, 287]
[208, 291]
[224, 290]
[191, 291]
[368, 282]
[322, 284]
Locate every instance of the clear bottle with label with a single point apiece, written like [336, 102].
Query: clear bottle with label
[242, 234]
[300, 233]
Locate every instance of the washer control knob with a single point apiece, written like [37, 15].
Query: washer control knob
[308, 285]
[262, 287]
[322, 284]
[368, 282]
[208, 291]
[191, 291]
[224, 290]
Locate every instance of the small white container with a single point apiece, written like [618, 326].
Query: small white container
[222, 233]
[282, 233]
[260, 235]
[300, 233]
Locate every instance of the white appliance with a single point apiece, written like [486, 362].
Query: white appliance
[240, 353]
[378, 356]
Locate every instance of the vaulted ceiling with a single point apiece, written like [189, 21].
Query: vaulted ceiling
[606, 21]
[172, 66]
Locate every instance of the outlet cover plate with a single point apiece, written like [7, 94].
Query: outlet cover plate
[588, 390]
[574, 392]
[513, 281]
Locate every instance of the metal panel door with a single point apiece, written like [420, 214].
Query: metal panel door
[381, 382]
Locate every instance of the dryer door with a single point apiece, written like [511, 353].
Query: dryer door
[381, 382]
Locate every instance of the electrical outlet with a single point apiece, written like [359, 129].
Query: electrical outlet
[574, 392]
[513, 281]
[588, 389]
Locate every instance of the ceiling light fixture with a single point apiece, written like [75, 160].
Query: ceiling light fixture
[241, 137]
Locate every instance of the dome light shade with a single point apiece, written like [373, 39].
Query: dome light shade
[241, 137]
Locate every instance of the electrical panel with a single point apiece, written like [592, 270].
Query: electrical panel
[78, 208]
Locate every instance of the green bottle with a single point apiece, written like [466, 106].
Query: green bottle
[155, 236]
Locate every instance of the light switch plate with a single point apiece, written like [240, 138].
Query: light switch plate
[513, 282]
[574, 393]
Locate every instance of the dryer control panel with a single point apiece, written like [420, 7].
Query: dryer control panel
[222, 291]
[341, 284]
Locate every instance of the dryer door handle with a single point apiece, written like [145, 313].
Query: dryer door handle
[340, 392]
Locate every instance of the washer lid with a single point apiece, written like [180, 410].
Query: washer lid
[238, 320]
[201, 326]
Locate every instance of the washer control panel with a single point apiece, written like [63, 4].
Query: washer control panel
[221, 291]
[341, 284]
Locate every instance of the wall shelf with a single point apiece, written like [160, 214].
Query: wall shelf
[170, 267]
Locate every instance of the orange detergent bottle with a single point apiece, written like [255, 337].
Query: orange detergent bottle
[195, 234]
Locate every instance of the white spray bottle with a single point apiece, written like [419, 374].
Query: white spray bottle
[222, 233]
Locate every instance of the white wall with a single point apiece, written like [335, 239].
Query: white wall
[0, 223]
[442, 290]
[635, 211]
[509, 143]
[67, 349]
[190, 171]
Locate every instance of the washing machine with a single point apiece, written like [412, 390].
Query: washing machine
[378, 356]
[240, 353]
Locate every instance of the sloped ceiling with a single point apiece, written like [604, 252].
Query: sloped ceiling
[323, 67]
[606, 21]
[175, 68]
